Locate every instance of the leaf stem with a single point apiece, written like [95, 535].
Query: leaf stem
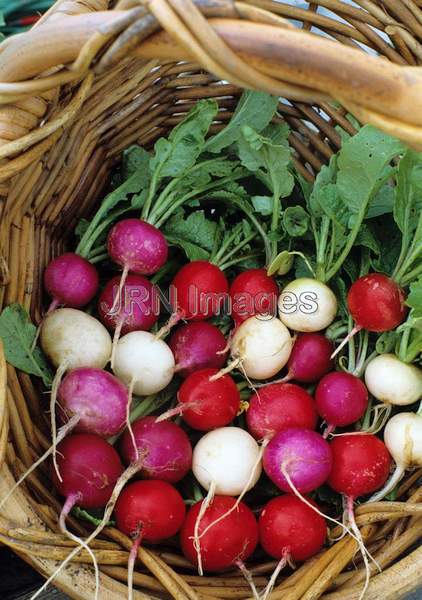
[236, 249]
[321, 244]
[238, 260]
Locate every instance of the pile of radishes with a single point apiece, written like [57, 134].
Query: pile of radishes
[260, 392]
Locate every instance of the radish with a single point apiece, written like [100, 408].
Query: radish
[163, 449]
[137, 308]
[198, 345]
[143, 362]
[290, 530]
[97, 398]
[297, 459]
[341, 399]
[403, 438]
[261, 347]
[279, 406]
[150, 511]
[253, 292]
[200, 289]
[205, 403]
[230, 542]
[392, 381]
[90, 468]
[72, 339]
[70, 280]
[307, 305]
[376, 303]
[310, 358]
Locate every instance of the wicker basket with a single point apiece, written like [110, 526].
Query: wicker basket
[93, 77]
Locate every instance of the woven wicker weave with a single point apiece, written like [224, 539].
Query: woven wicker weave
[93, 77]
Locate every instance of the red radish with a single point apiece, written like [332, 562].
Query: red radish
[70, 280]
[138, 308]
[279, 406]
[229, 542]
[97, 398]
[341, 399]
[290, 529]
[137, 246]
[151, 511]
[361, 464]
[297, 459]
[164, 449]
[206, 404]
[310, 358]
[253, 292]
[198, 345]
[201, 290]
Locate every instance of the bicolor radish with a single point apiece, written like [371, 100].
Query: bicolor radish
[279, 406]
[310, 358]
[403, 439]
[253, 292]
[341, 399]
[71, 281]
[72, 339]
[290, 530]
[206, 403]
[198, 345]
[307, 305]
[393, 381]
[137, 308]
[149, 511]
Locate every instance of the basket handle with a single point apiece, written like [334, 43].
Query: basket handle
[248, 46]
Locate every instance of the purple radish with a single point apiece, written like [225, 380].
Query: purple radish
[341, 399]
[163, 449]
[297, 459]
[198, 345]
[97, 398]
[310, 358]
[71, 281]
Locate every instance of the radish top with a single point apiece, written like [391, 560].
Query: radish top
[253, 292]
[307, 305]
[310, 358]
[71, 280]
[392, 381]
[198, 345]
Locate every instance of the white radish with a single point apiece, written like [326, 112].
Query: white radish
[72, 339]
[261, 347]
[227, 457]
[403, 438]
[307, 305]
[392, 381]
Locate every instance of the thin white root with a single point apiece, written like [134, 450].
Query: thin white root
[248, 576]
[123, 479]
[131, 562]
[347, 339]
[172, 412]
[61, 434]
[128, 422]
[230, 367]
[390, 485]
[196, 537]
[165, 329]
[270, 585]
[117, 299]
[116, 338]
[53, 397]
[68, 505]
[243, 492]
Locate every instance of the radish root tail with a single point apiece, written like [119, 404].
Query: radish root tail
[248, 577]
[196, 537]
[53, 397]
[128, 422]
[270, 585]
[131, 561]
[117, 302]
[116, 338]
[230, 367]
[346, 340]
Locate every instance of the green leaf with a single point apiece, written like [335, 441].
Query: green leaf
[386, 342]
[81, 227]
[174, 156]
[282, 263]
[295, 221]
[135, 159]
[255, 109]
[194, 234]
[382, 203]
[263, 205]
[18, 335]
[366, 238]
[414, 299]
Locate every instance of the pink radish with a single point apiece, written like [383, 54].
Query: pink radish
[201, 290]
[71, 281]
[310, 358]
[290, 530]
[205, 403]
[151, 511]
[253, 292]
[279, 406]
[297, 459]
[341, 399]
[229, 543]
[164, 450]
[97, 398]
[198, 345]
